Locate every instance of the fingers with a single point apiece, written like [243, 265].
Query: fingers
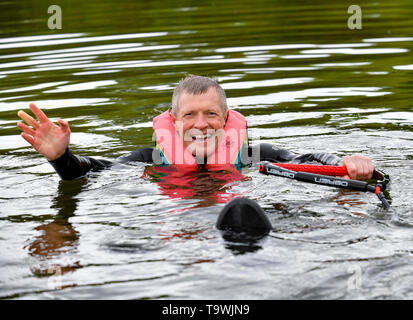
[64, 125]
[368, 169]
[39, 113]
[358, 167]
[26, 129]
[28, 138]
[28, 119]
[351, 167]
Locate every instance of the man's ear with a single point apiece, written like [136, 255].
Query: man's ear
[226, 115]
[172, 116]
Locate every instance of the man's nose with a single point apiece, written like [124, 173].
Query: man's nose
[201, 122]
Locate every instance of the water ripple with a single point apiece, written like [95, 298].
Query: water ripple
[292, 96]
[41, 43]
[82, 86]
[303, 80]
[55, 103]
[264, 83]
[357, 51]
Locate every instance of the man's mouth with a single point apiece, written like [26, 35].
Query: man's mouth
[201, 137]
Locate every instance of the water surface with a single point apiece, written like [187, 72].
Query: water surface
[304, 81]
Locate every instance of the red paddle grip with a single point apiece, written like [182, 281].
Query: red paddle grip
[337, 171]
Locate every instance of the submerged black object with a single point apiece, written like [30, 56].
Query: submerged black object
[244, 215]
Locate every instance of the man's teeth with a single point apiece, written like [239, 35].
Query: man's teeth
[201, 136]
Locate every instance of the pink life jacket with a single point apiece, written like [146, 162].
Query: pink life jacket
[228, 152]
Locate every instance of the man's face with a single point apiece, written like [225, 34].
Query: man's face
[200, 120]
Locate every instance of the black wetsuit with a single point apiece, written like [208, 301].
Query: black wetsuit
[70, 166]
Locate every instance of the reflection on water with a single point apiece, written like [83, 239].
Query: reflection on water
[240, 243]
[303, 80]
[58, 237]
[209, 186]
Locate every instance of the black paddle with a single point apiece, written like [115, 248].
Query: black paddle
[268, 168]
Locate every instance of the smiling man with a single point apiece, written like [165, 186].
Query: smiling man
[199, 120]
[199, 129]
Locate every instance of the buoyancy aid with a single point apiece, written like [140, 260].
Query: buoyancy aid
[228, 152]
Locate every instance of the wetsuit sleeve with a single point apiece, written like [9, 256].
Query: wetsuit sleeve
[322, 158]
[268, 152]
[141, 155]
[70, 166]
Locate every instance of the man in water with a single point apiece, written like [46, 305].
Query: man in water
[199, 110]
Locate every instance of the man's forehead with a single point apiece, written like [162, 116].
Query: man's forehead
[211, 93]
[209, 99]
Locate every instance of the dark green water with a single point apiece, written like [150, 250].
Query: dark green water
[305, 82]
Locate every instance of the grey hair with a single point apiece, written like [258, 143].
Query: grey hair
[193, 84]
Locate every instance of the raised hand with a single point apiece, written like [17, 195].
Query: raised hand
[48, 139]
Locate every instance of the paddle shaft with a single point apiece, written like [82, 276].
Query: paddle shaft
[271, 169]
[328, 170]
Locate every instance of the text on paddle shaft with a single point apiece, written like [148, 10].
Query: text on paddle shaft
[331, 182]
[281, 173]
[211, 309]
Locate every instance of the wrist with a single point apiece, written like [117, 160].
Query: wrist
[58, 156]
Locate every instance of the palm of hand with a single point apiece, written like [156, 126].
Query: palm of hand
[50, 140]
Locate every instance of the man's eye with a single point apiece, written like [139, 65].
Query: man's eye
[212, 114]
[188, 114]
